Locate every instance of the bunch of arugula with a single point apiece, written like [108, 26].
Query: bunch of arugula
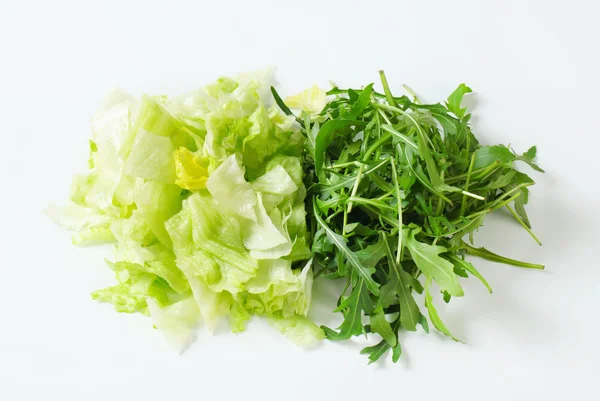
[395, 186]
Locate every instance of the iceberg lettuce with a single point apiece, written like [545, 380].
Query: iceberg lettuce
[203, 198]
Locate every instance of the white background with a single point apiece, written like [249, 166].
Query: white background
[534, 66]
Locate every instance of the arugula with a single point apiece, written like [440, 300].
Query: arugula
[394, 186]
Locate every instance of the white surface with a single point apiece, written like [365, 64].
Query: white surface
[534, 66]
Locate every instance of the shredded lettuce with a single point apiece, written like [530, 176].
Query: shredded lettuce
[203, 198]
[311, 101]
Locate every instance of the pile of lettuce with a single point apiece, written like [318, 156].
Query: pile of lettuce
[203, 198]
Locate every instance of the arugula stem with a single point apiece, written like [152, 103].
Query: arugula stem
[355, 188]
[505, 202]
[385, 117]
[330, 217]
[385, 195]
[521, 222]
[479, 171]
[400, 136]
[345, 222]
[363, 201]
[483, 177]
[376, 145]
[399, 206]
[472, 195]
[479, 213]
[440, 203]
[348, 164]
[485, 254]
[459, 229]
[386, 89]
[407, 115]
[411, 93]
[351, 179]
[466, 190]
[504, 195]
[387, 219]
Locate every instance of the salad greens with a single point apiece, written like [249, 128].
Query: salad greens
[394, 187]
[221, 203]
[203, 197]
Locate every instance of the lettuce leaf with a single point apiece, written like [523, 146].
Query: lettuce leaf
[176, 321]
[203, 198]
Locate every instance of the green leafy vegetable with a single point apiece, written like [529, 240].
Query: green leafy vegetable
[428, 260]
[203, 196]
[433, 315]
[454, 100]
[394, 186]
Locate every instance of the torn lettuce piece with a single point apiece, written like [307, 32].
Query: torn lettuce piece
[190, 169]
[176, 322]
[275, 181]
[231, 190]
[311, 101]
[299, 329]
[280, 291]
[157, 202]
[135, 285]
[208, 243]
[151, 158]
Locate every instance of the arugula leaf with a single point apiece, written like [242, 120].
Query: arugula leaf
[371, 255]
[324, 138]
[487, 155]
[423, 322]
[353, 306]
[382, 327]
[376, 351]
[528, 157]
[280, 103]
[433, 314]
[458, 262]
[396, 352]
[364, 99]
[428, 260]
[340, 243]
[398, 286]
[520, 208]
[455, 99]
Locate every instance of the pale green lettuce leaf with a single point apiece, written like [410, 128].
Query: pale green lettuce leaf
[157, 202]
[299, 329]
[156, 259]
[176, 322]
[76, 217]
[93, 236]
[274, 274]
[155, 119]
[263, 235]
[280, 291]
[133, 229]
[238, 317]
[208, 243]
[135, 285]
[213, 305]
[231, 190]
[311, 101]
[151, 158]
[275, 181]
